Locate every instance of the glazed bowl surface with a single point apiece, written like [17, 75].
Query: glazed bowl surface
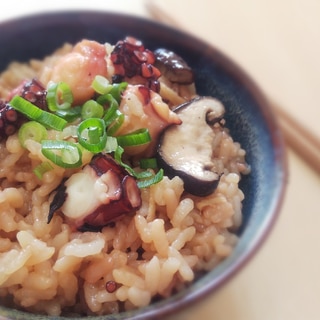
[248, 115]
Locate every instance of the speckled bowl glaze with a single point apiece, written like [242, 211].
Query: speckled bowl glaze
[249, 118]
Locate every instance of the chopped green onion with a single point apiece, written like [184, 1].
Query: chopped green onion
[148, 163]
[111, 145]
[51, 121]
[139, 175]
[111, 115]
[64, 154]
[69, 115]
[116, 124]
[152, 180]
[68, 132]
[42, 168]
[117, 89]
[107, 99]
[59, 96]
[92, 134]
[112, 110]
[92, 109]
[138, 137]
[32, 130]
[31, 111]
[145, 178]
[100, 84]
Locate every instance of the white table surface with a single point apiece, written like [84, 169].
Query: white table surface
[278, 44]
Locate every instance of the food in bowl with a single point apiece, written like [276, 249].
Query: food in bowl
[119, 183]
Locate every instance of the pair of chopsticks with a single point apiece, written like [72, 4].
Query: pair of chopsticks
[300, 139]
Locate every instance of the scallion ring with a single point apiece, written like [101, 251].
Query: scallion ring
[111, 144]
[64, 154]
[117, 89]
[111, 116]
[116, 124]
[148, 163]
[107, 99]
[139, 175]
[150, 181]
[71, 114]
[92, 134]
[101, 85]
[145, 178]
[32, 112]
[112, 110]
[92, 109]
[59, 96]
[138, 137]
[32, 130]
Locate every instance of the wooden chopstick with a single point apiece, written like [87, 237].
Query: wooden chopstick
[300, 139]
[159, 15]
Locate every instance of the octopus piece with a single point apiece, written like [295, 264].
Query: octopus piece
[79, 68]
[33, 91]
[144, 108]
[96, 196]
[135, 64]
[11, 119]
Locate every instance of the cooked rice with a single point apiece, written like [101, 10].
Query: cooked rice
[50, 269]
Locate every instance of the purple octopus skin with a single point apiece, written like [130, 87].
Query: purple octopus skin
[10, 119]
[104, 187]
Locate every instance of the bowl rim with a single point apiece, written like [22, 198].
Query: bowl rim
[180, 301]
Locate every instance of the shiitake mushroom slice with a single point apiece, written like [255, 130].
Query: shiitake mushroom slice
[173, 67]
[186, 150]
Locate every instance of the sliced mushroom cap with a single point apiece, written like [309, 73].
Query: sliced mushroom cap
[173, 67]
[186, 150]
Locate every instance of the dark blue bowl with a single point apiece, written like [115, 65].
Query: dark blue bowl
[249, 118]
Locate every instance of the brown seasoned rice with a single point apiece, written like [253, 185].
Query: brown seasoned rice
[51, 269]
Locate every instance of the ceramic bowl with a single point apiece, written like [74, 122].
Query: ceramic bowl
[249, 118]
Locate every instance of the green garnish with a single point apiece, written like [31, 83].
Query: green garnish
[32, 112]
[64, 154]
[101, 119]
[136, 138]
[32, 130]
[59, 96]
[92, 109]
[92, 134]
